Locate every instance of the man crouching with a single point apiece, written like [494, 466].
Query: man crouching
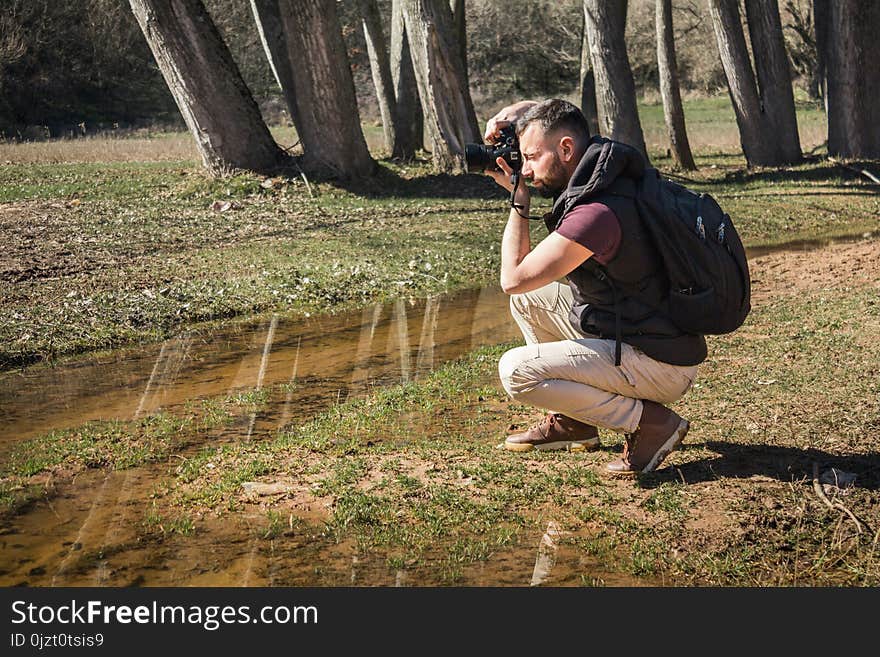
[594, 356]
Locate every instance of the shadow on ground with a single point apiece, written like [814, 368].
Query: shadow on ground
[738, 461]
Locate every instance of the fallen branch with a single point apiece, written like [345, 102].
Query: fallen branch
[864, 172]
[817, 487]
[852, 516]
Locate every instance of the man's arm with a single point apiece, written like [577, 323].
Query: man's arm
[524, 269]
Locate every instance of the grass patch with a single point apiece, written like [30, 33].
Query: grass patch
[115, 445]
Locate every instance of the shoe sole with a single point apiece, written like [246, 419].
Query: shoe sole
[671, 443]
[569, 445]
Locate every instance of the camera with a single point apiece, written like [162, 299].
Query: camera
[481, 157]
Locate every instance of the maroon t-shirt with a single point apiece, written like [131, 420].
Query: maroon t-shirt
[595, 227]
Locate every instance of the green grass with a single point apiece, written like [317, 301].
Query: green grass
[411, 478]
[101, 255]
[116, 445]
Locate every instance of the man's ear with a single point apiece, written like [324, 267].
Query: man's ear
[566, 148]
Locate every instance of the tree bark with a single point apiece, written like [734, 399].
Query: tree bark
[821, 23]
[459, 19]
[267, 16]
[588, 81]
[411, 128]
[215, 102]
[446, 102]
[757, 142]
[673, 111]
[854, 79]
[774, 77]
[380, 67]
[605, 23]
[323, 90]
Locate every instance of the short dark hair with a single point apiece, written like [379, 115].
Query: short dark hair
[554, 114]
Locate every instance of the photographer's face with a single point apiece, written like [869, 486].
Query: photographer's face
[542, 164]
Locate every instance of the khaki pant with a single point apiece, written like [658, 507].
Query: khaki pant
[563, 370]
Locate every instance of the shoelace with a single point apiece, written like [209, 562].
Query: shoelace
[553, 420]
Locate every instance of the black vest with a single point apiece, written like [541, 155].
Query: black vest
[607, 174]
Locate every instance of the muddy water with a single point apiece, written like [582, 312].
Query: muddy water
[90, 531]
[336, 356]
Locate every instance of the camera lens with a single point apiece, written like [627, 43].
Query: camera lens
[478, 157]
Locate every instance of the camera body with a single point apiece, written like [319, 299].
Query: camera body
[481, 157]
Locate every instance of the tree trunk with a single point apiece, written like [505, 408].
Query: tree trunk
[774, 77]
[323, 90]
[381, 70]
[588, 81]
[267, 16]
[673, 111]
[411, 127]
[854, 79]
[446, 101]
[605, 24]
[757, 142]
[214, 100]
[821, 23]
[459, 19]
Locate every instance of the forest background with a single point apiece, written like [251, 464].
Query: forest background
[72, 68]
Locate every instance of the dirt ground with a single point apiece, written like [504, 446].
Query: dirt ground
[856, 263]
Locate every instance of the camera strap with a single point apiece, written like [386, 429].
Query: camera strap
[514, 180]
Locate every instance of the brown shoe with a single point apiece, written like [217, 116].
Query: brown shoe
[660, 431]
[555, 431]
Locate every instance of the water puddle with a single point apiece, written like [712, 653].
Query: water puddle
[806, 245]
[329, 357]
[89, 532]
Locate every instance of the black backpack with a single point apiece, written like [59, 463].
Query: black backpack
[709, 285]
[709, 290]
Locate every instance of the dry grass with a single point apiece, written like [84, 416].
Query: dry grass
[140, 146]
[175, 146]
[710, 123]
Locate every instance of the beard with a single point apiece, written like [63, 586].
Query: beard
[554, 182]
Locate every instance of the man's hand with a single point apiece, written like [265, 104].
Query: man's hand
[504, 118]
[523, 197]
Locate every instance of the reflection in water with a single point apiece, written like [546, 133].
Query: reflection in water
[546, 558]
[329, 357]
[90, 534]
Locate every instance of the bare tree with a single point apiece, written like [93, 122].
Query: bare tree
[446, 100]
[380, 67]
[756, 139]
[267, 16]
[304, 42]
[854, 79]
[212, 97]
[822, 23]
[673, 111]
[588, 80]
[406, 92]
[460, 21]
[605, 24]
[800, 43]
[774, 77]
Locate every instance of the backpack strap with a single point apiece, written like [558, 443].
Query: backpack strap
[602, 274]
